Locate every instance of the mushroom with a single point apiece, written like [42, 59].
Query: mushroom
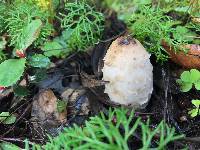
[128, 70]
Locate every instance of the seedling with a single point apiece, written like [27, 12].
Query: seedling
[189, 79]
[7, 118]
[195, 111]
[61, 106]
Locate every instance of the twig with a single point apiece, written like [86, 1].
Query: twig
[192, 139]
[13, 126]
[16, 140]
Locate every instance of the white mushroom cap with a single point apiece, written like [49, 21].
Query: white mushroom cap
[128, 69]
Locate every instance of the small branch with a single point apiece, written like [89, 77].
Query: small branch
[15, 140]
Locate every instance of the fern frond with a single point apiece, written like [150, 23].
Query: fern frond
[111, 132]
[86, 24]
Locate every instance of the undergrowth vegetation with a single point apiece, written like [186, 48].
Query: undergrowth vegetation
[36, 33]
[188, 79]
[30, 24]
[20, 16]
[112, 131]
[162, 23]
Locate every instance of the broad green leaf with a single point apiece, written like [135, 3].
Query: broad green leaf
[8, 146]
[6, 118]
[52, 49]
[39, 60]
[30, 34]
[196, 102]
[195, 75]
[11, 70]
[185, 87]
[61, 106]
[197, 85]
[185, 76]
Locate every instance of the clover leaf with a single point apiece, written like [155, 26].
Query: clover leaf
[188, 79]
[194, 75]
[195, 111]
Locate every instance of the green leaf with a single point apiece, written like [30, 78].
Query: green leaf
[11, 70]
[39, 60]
[6, 118]
[30, 34]
[196, 102]
[8, 146]
[193, 112]
[197, 85]
[52, 49]
[185, 76]
[179, 81]
[61, 106]
[195, 75]
[185, 87]
[20, 90]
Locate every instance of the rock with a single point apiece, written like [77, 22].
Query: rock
[44, 111]
[77, 101]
